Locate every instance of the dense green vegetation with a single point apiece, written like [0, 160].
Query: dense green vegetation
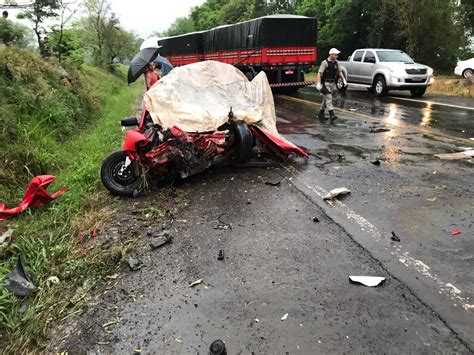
[60, 106]
[53, 121]
[434, 32]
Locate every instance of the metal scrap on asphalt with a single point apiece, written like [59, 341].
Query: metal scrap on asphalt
[394, 237]
[336, 192]
[369, 281]
[195, 283]
[467, 154]
[135, 264]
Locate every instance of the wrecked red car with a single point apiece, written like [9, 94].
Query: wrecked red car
[183, 130]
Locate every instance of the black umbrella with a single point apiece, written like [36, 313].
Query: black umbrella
[139, 63]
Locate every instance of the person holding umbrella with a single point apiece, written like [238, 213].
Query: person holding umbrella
[150, 76]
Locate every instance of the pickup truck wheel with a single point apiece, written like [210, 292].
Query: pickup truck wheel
[417, 92]
[380, 87]
[467, 73]
[340, 85]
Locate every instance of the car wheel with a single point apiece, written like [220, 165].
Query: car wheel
[243, 141]
[467, 73]
[380, 87]
[417, 92]
[340, 85]
[119, 181]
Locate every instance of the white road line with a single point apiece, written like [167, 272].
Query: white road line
[396, 250]
[433, 103]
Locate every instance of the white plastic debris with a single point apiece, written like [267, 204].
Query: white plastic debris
[467, 154]
[285, 316]
[336, 192]
[370, 281]
[195, 283]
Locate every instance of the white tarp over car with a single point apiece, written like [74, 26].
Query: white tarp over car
[197, 98]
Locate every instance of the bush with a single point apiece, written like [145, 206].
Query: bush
[41, 106]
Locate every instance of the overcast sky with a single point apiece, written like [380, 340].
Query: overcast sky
[147, 16]
[142, 16]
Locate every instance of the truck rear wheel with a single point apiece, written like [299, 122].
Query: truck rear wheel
[417, 92]
[249, 75]
[380, 86]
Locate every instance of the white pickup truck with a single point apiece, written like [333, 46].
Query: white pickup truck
[381, 70]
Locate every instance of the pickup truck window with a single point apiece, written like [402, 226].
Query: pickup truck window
[358, 56]
[394, 56]
[369, 57]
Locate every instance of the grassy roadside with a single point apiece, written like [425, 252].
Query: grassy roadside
[53, 240]
[450, 86]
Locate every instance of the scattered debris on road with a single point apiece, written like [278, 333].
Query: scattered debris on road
[112, 322]
[375, 161]
[160, 238]
[217, 348]
[315, 219]
[135, 264]
[220, 256]
[222, 225]
[394, 237]
[379, 129]
[467, 154]
[369, 281]
[18, 282]
[285, 316]
[158, 233]
[159, 242]
[455, 232]
[431, 199]
[274, 183]
[195, 283]
[336, 192]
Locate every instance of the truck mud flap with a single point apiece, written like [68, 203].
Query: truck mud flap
[299, 84]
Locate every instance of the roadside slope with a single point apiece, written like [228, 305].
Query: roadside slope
[61, 122]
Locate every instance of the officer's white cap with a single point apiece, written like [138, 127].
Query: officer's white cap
[334, 51]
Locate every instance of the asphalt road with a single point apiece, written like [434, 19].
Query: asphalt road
[283, 286]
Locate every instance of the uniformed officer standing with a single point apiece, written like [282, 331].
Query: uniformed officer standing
[326, 82]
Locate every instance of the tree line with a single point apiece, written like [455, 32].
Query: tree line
[434, 32]
[72, 31]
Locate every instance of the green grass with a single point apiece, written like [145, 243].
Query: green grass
[49, 238]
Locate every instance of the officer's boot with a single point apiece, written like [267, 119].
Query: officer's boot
[321, 115]
[332, 116]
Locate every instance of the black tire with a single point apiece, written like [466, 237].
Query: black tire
[243, 141]
[250, 75]
[417, 92]
[467, 73]
[380, 86]
[121, 185]
[340, 85]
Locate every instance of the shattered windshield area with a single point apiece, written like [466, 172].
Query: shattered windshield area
[394, 56]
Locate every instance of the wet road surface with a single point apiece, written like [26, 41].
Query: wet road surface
[412, 193]
[279, 261]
